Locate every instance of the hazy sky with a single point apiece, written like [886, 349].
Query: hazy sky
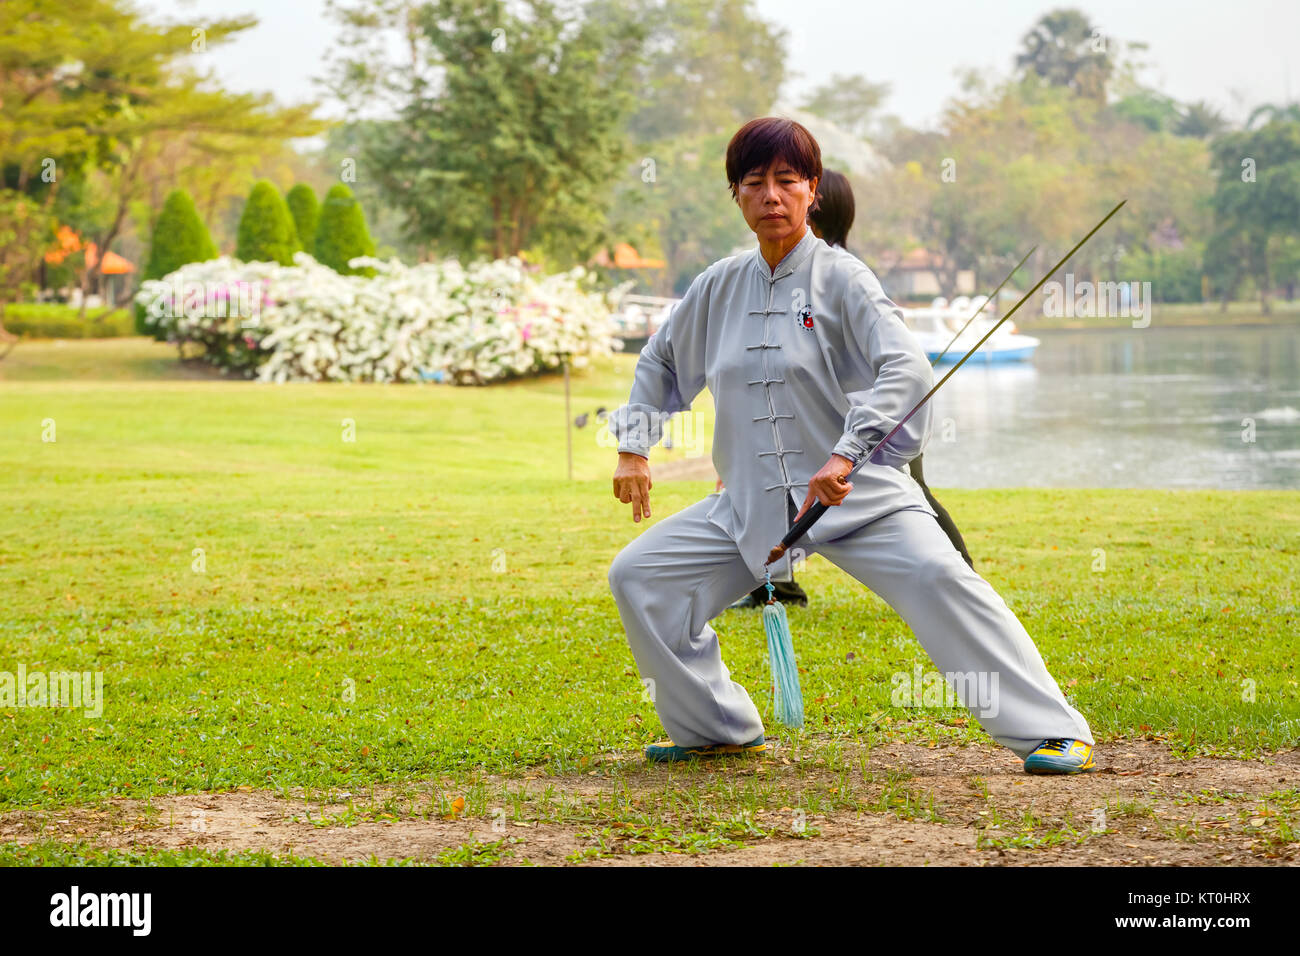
[1235, 55]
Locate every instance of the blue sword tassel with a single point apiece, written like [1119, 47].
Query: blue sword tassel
[787, 699]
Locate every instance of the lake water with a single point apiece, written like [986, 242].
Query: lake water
[1129, 408]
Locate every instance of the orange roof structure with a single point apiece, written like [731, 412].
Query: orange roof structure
[114, 265]
[68, 242]
[918, 258]
[626, 257]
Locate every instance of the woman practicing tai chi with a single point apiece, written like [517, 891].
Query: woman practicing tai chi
[808, 361]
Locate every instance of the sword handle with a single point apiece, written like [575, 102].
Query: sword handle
[798, 529]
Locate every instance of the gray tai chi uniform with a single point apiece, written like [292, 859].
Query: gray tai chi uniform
[802, 361]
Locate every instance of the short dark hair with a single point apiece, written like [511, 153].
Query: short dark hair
[834, 209]
[761, 141]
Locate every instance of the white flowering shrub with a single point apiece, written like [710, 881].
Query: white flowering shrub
[441, 321]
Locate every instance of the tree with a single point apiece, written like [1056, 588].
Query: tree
[850, 102]
[342, 234]
[508, 134]
[1065, 49]
[305, 210]
[103, 104]
[680, 204]
[362, 74]
[1149, 108]
[705, 65]
[1012, 169]
[1028, 162]
[343, 144]
[179, 238]
[706, 69]
[25, 231]
[1256, 199]
[1273, 112]
[1285, 258]
[266, 232]
[1225, 264]
[1200, 120]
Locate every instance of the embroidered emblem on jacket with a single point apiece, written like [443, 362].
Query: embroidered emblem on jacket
[806, 318]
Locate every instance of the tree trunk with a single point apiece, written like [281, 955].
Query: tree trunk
[516, 216]
[496, 227]
[6, 337]
[82, 284]
[946, 273]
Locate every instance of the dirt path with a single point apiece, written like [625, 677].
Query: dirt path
[906, 804]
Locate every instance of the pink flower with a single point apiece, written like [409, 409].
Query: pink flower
[526, 331]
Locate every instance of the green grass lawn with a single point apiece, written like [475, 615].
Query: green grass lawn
[431, 598]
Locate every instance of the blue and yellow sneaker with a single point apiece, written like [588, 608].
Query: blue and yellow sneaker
[1060, 755]
[667, 750]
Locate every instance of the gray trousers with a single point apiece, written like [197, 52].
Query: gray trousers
[674, 577]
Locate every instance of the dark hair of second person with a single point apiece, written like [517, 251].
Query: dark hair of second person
[832, 215]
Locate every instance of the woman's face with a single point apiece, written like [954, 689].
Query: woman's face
[775, 201]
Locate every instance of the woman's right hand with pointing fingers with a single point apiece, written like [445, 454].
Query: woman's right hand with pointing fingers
[632, 483]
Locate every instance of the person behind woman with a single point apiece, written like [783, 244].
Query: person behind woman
[831, 219]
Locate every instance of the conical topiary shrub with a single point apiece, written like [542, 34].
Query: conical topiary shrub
[342, 233]
[304, 207]
[266, 230]
[179, 238]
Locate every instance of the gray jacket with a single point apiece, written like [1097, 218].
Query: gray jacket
[802, 361]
